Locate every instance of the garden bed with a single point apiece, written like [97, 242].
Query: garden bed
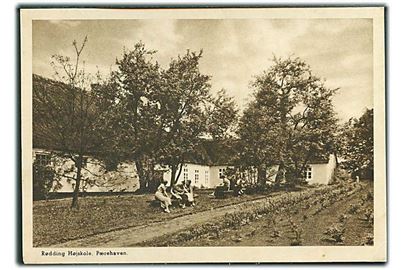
[335, 215]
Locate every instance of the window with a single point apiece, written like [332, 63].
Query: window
[185, 174]
[206, 178]
[197, 176]
[43, 159]
[221, 172]
[308, 173]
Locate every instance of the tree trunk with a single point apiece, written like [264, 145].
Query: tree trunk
[178, 175]
[141, 176]
[283, 118]
[261, 175]
[75, 199]
[280, 178]
[173, 168]
[150, 179]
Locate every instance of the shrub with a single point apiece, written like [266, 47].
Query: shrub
[353, 209]
[297, 239]
[342, 218]
[369, 216]
[44, 181]
[368, 240]
[369, 196]
[336, 232]
[276, 233]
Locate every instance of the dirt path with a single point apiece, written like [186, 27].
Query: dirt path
[135, 235]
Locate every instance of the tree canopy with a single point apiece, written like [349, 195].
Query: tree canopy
[358, 146]
[290, 120]
[150, 115]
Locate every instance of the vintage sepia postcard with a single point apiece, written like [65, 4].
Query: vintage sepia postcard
[203, 135]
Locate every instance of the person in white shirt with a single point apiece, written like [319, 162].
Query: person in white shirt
[162, 196]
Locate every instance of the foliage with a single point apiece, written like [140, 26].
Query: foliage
[358, 146]
[353, 209]
[342, 218]
[185, 91]
[272, 207]
[45, 180]
[290, 121]
[336, 232]
[297, 233]
[368, 240]
[222, 116]
[369, 197]
[140, 113]
[369, 216]
[68, 115]
[136, 123]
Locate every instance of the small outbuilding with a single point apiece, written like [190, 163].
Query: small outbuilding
[321, 171]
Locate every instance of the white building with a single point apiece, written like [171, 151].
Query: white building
[95, 176]
[209, 176]
[202, 176]
[322, 171]
[125, 179]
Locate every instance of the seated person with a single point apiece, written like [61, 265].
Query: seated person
[222, 188]
[162, 196]
[178, 193]
[239, 187]
[189, 192]
[226, 182]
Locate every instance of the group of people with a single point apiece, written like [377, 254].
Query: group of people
[236, 186]
[182, 193]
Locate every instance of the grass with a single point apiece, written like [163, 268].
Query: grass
[54, 222]
[294, 221]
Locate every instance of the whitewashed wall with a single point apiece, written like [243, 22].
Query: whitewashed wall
[95, 177]
[323, 173]
[189, 171]
[214, 174]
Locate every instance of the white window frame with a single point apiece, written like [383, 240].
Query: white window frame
[196, 176]
[185, 174]
[308, 173]
[221, 172]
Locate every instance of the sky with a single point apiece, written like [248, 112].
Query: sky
[340, 51]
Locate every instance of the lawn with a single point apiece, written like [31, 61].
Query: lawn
[54, 222]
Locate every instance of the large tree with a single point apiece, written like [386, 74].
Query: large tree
[161, 115]
[358, 146]
[185, 94]
[289, 122]
[68, 115]
[222, 116]
[135, 89]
